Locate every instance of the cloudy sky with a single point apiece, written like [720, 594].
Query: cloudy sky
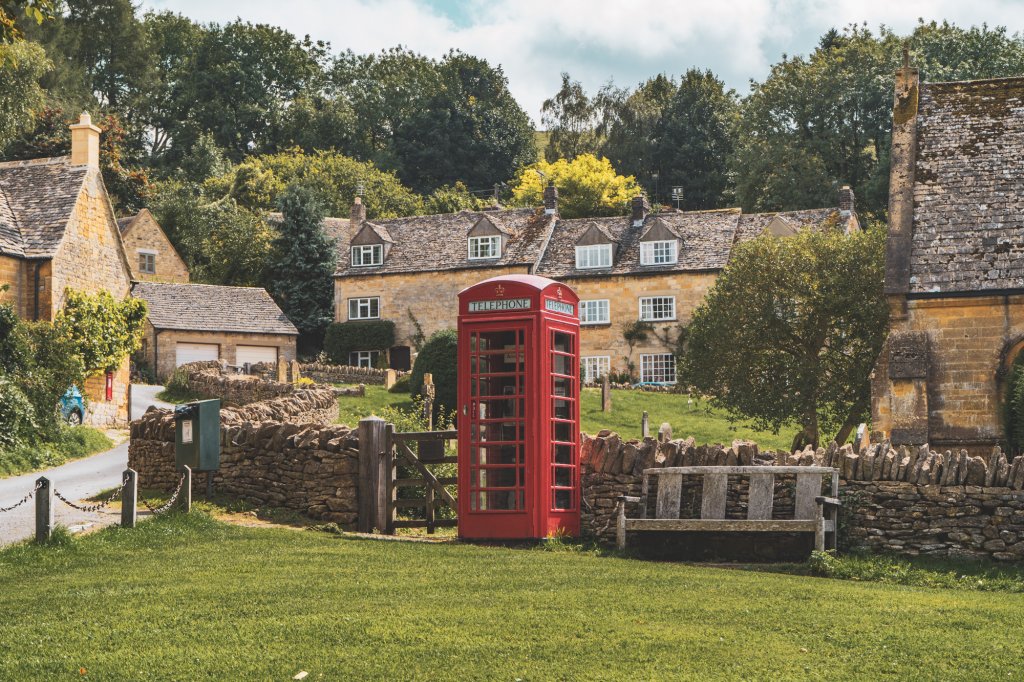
[595, 40]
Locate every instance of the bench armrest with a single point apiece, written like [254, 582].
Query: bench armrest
[832, 501]
[627, 498]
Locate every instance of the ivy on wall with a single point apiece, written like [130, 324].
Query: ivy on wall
[344, 337]
[103, 330]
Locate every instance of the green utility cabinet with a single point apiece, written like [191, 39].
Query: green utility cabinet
[197, 435]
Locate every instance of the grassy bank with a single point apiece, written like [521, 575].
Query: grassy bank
[687, 417]
[105, 606]
[72, 443]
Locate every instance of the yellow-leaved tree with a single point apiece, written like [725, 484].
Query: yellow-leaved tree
[588, 186]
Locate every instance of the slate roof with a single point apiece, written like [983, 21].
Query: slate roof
[752, 224]
[123, 223]
[205, 307]
[433, 243]
[38, 199]
[968, 230]
[707, 238]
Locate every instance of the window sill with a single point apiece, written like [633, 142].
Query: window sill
[595, 324]
[666, 319]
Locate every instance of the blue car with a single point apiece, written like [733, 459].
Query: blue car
[72, 407]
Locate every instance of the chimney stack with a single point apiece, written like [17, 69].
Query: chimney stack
[551, 199]
[846, 200]
[358, 215]
[640, 210]
[85, 142]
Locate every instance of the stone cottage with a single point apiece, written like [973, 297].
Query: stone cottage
[197, 322]
[57, 231]
[649, 268]
[954, 261]
[151, 254]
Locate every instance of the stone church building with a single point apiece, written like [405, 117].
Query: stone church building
[954, 262]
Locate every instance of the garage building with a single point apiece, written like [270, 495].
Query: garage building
[195, 322]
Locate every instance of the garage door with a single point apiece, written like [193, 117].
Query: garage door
[195, 352]
[254, 354]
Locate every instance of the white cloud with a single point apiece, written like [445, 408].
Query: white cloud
[594, 40]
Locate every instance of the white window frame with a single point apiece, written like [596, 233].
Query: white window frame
[657, 368]
[364, 358]
[149, 255]
[594, 367]
[477, 250]
[662, 252]
[364, 308]
[375, 256]
[593, 256]
[602, 305]
[650, 305]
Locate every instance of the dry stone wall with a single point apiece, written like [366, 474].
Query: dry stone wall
[909, 501]
[233, 389]
[346, 374]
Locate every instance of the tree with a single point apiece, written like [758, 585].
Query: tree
[570, 118]
[587, 187]
[11, 11]
[22, 64]
[438, 357]
[693, 140]
[629, 124]
[791, 331]
[301, 269]
[103, 331]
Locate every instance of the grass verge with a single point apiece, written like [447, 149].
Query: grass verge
[71, 443]
[187, 597]
[688, 417]
[177, 396]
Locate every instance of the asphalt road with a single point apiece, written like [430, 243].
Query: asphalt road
[75, 480]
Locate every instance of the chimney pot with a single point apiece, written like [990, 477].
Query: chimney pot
[85, 142]
[550, 199]
[640, 209]
[846, 200]
[358, 215]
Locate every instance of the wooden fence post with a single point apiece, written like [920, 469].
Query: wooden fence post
[390, 473]
[606, 394]
[645, 425]
[185, 497]
[372, 441]
[129, 499]
[429, 392]
[44, 509]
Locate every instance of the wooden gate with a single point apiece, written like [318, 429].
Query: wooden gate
[381, 451]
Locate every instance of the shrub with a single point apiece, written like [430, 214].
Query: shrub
[401, 386]
[440, 359]
[344, 337]
[17, 416]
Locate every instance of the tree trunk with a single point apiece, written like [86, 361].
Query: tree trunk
[808, 434]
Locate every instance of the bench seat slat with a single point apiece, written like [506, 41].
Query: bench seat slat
[722, 525]
[739, 470]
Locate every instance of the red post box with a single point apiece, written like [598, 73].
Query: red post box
[519, 412]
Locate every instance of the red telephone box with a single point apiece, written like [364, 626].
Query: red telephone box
[519, 412]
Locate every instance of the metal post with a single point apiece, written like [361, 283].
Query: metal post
[129, 499]
[185, 497]
[44, 509]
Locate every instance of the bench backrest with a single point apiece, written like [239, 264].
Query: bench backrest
[761, 497]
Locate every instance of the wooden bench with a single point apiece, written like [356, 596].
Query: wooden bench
[814, 513]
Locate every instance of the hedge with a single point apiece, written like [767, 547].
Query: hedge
[344, 337]
[438, 357]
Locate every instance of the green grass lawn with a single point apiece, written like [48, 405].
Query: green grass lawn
[72, 443]
[188, 598]
[687, 419]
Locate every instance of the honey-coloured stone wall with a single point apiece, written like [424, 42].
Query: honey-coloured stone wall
[145, 234]
[159, 346]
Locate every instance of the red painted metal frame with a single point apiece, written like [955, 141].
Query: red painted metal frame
[538, 518]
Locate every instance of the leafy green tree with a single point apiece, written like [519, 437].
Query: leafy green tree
[222, 242]
[258, 181]
[452, 199]
[104, 331]
[12, 12]
[571, 119]
[693, 140]
[438, 357]
[21, 66]
[587, 187]
[301, 268]
[629, 124]
[791, 331]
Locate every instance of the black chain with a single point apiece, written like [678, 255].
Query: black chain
[169, 503]
[22, 500]
[93, 507]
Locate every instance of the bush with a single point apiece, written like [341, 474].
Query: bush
[439, 358]
[344, 337]
[401, 386]
[17, 416]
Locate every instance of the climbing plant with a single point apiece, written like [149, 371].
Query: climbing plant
[103, 330]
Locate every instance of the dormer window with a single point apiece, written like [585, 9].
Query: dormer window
[594, 256]
[367, 254]
[659, 253]
[488, 246]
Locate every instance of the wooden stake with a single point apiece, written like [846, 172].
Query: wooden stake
[130, 499]
[44, 509]
[606, 394]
